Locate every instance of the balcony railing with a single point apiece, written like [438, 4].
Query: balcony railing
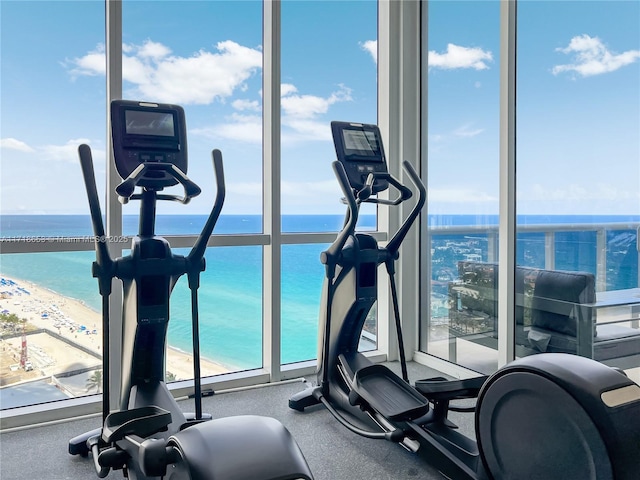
[598, 248]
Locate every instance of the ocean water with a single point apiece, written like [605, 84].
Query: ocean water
[230, 297]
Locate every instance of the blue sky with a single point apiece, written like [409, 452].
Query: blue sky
[578, 99]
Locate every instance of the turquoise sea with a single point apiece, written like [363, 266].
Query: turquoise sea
[230, 296]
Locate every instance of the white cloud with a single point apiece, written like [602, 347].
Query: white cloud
[136, 71]
[466, 131]
[371, 46]
[160, 76]
[92, 64]
[300, 114]
[14, 144]
[300, 118]
[67, 152]
[304, 106]
[153, 50]
[287, 89]
[309, 106]
[592, 57]
[241, 104]
[299, 129]
[460, 57]
[237, 127]
[63, 153]
[455, 56]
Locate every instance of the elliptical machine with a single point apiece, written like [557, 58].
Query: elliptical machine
[149, 436]
[541, 417]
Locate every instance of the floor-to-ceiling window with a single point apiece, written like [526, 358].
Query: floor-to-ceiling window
[48, 299]
[327, 74]
[569, 109]
[55, 97]
[215, 73]
[578, 178]
[461, 42]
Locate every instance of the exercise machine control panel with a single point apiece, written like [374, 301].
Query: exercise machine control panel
[144, 132]
[359, 149]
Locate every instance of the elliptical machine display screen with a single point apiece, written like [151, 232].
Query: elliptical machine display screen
[140, 122]
[359, 149]
[144, 132]
[361, 143]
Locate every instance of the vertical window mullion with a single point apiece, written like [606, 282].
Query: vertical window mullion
[424, 246]
[507, 228]
[398, 84]
[113, 19]
[271, 189]
[388, 109]
[410, 144]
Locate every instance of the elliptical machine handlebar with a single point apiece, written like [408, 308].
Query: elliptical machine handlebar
[331, 254]
[398, 237]
[364, 195]
[103, 268]
[197, 252]
[149, 169]
[104, 264]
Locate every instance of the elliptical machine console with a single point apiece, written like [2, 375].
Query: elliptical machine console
[147, 435]
[150, 148]
[359, 149]
[147, 132]
[547, 416]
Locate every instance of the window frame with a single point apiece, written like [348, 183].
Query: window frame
[271, 240]
[507, 200]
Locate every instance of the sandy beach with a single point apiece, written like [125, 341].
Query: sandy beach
[76, 324]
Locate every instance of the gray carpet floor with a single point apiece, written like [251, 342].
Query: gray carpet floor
[333, 452]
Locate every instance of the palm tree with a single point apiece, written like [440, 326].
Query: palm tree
[95, 381]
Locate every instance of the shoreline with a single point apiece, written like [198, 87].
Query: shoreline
[77, 324]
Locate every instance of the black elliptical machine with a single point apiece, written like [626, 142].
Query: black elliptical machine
[148, 436]
[547, 416]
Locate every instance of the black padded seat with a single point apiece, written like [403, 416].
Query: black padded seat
[558, 299]
[557, 315]
[560, 306]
